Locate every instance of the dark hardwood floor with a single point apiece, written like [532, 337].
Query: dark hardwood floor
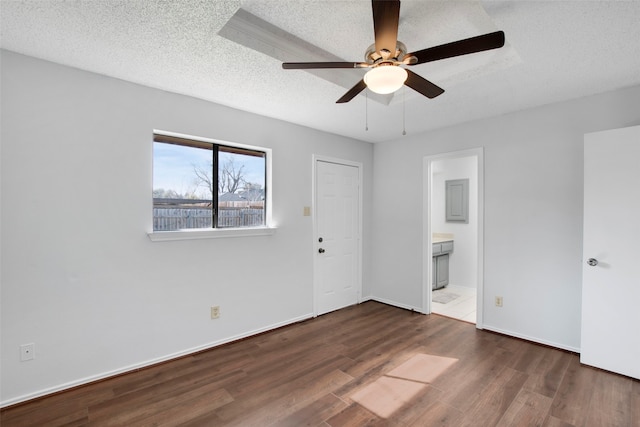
[371, 364]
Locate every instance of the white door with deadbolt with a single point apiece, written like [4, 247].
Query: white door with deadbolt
[611, 252]
[337, 240]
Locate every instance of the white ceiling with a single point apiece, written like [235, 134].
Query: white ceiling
[556, 50]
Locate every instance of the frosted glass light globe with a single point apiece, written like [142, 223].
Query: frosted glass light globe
[385, 79]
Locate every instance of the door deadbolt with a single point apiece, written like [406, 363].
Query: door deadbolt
[320, 240]
[592, 262]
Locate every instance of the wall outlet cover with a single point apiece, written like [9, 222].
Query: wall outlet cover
[27, 352]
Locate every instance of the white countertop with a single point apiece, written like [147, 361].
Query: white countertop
[441, 237]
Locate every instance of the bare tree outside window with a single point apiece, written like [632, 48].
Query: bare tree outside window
[204, 177]
[231, 176]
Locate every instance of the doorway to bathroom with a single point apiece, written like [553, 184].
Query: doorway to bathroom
[453, 235]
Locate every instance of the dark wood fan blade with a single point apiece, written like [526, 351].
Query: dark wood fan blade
[359, 87]
[386, 15]
[312, 65]
[422, 85]
[461, 47]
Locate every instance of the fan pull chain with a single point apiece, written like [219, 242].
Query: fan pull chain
[404, 131]
[366, 111]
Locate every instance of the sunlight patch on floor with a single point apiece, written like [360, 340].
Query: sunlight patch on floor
[386, 395]
[423, 368]
[392, 391]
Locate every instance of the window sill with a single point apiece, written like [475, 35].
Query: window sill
[214, 233]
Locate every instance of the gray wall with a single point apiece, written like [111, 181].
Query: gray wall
[80, 277]
[533, 212]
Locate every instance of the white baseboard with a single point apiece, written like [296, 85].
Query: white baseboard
[485, 327]
[395, 304]
[532, 339]
[211, 345]
[151, 362]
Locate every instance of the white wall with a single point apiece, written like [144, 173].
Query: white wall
[533, 212]
[463, 262]
[80, 277]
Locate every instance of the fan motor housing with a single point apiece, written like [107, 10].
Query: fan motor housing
[372, 56]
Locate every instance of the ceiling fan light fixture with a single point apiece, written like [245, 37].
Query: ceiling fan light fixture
[385, 79]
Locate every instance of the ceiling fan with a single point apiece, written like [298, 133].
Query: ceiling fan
[387, 54]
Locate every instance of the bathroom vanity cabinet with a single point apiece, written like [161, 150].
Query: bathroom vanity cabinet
[440, 266]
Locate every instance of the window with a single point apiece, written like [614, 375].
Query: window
[203, 184]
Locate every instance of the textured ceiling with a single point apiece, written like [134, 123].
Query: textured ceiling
[555, 50]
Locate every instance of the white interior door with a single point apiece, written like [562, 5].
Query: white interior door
[611, 288]
[337, 278]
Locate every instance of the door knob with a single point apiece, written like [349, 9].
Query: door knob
[592, 262]
[321, 250]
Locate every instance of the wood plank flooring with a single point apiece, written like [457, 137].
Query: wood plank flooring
[308, 374]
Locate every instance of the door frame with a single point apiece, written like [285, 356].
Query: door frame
[478, 153]
[314, 209]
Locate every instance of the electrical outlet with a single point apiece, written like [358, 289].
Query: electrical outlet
[27, 352]
[215, 312]
[498, 301]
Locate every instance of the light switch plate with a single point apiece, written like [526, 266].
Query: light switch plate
[215, 312]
